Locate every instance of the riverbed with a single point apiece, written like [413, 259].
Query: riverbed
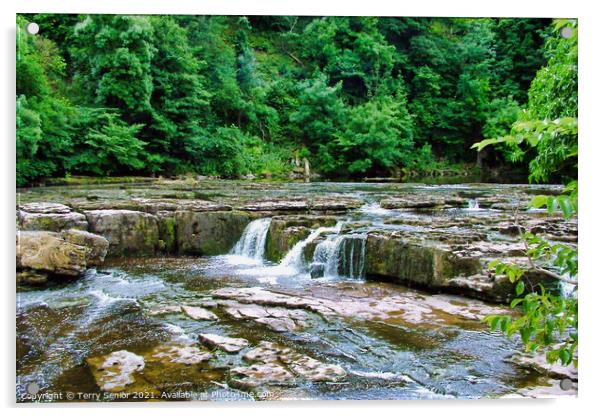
[319, 319]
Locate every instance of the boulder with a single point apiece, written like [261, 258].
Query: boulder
[68, 253]
[209, 233]
[46, 251]
[98, 246]
[129, 232]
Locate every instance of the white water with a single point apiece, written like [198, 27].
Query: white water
[374, 209]
[294, 258]
[293, 264]
[252, 241]
[343, 255]
[473, 205]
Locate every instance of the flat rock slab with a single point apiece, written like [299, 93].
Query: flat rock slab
[265, 352]
[359, 301]
[151, 205]
[223, 343]
[45, 208]
[188, 355]
[301, 365]
[316, 204]
[198, 313]
[164, 310]
[312, 369]
[278, 319]
[260, 296]
[277, 205]
[539, 363]
[164, 204]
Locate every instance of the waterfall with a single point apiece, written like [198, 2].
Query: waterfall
[294, 258]
[252, 242]
[343, 255]
[473, 205]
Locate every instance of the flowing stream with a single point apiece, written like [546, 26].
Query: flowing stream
[392, 341]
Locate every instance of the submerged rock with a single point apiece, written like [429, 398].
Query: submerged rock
[539, 363]
[279, 365]
[223, 343]
[188, 354]
[116, 370]
[258, 375]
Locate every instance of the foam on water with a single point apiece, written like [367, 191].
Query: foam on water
[252, 242]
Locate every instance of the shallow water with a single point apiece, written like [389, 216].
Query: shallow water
[440, 354]
[393, 342]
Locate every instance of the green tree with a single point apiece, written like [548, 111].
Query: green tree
[549, 322]
[377, 138]
[319, 117]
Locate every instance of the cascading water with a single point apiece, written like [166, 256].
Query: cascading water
[473, 205]
[294, 258]
[252, 241]
[343, 255]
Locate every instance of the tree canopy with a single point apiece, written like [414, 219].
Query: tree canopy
[231, 95]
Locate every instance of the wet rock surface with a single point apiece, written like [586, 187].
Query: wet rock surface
[116, 370]
[226, 344]
[209, 320]
[49, 217]
[128, 232]
[66, 254]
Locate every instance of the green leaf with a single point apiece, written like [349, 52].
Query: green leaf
[539, 201]
[520, 288]
[516, 302]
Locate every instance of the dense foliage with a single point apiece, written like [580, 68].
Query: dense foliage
[548, 129]
[230, 95]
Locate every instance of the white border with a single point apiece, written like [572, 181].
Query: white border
[589, 173]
